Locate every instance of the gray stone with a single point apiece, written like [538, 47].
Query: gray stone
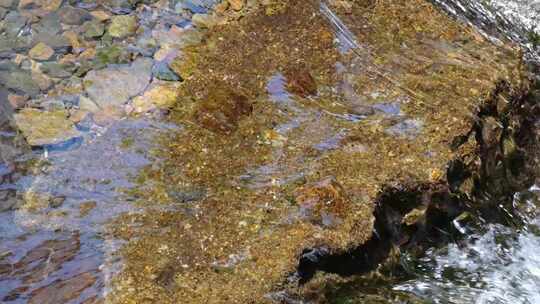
[119, 7]
[73, 16]
[162, 72]
[93, 29]
[20, 81]
[116, 84]
[6, 3]
[58, 70]
[13, 24]
[49, 24]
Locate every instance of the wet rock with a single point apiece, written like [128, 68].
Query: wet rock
[73, 16]
[205, 20]
[237, 4]
[183, 66]
[193, 6]
[78, 116]
[58, 70]
[122, 26]
[86, 104]
[101, 15]
[324, 203]
[41, 52]
[17, 101]
[120, 7]
[57, 202]
[42, 80]
[300, 82]
[6, 3]
[162, 71]
[93, 29]
[117, 84]
[409, 128]
[160, 96]
[108, 115]
[13, 23]
[45, 5]
[86, 207]
[111, 54]
[362, 110]
[491, 131]
[20, 81]
[222, 110]
[8, 45]
[62, 291]
[8, 201]
[49, 25]
[45, 128]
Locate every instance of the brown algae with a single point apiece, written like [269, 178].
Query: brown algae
[225, 241]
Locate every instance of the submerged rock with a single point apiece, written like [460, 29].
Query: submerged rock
[41, 52]
[222, 110]
[300, 82]
[45, 128]
[115, 85]
[324, 203]
[19, 80]
[160, 96]
[122, 26]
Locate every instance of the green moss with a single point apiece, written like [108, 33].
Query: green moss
[127, 142]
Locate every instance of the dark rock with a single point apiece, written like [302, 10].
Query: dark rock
[49, 24]
[73, 16]
[192, 7]
[162, 71]
[119, 7]
[58, 70]
[13, 24]
[93, 29]
[20, 81]
[57, 202]
[111, 55]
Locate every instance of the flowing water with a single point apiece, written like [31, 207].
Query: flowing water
[57, 249]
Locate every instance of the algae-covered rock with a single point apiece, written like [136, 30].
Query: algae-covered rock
[122, 26]
[41, 52]
[222, 109]
[160, 96]
[303, 179]
[324, 203]
[300, 81]
[45, 128]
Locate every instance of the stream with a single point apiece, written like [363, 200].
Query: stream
[105, 73]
